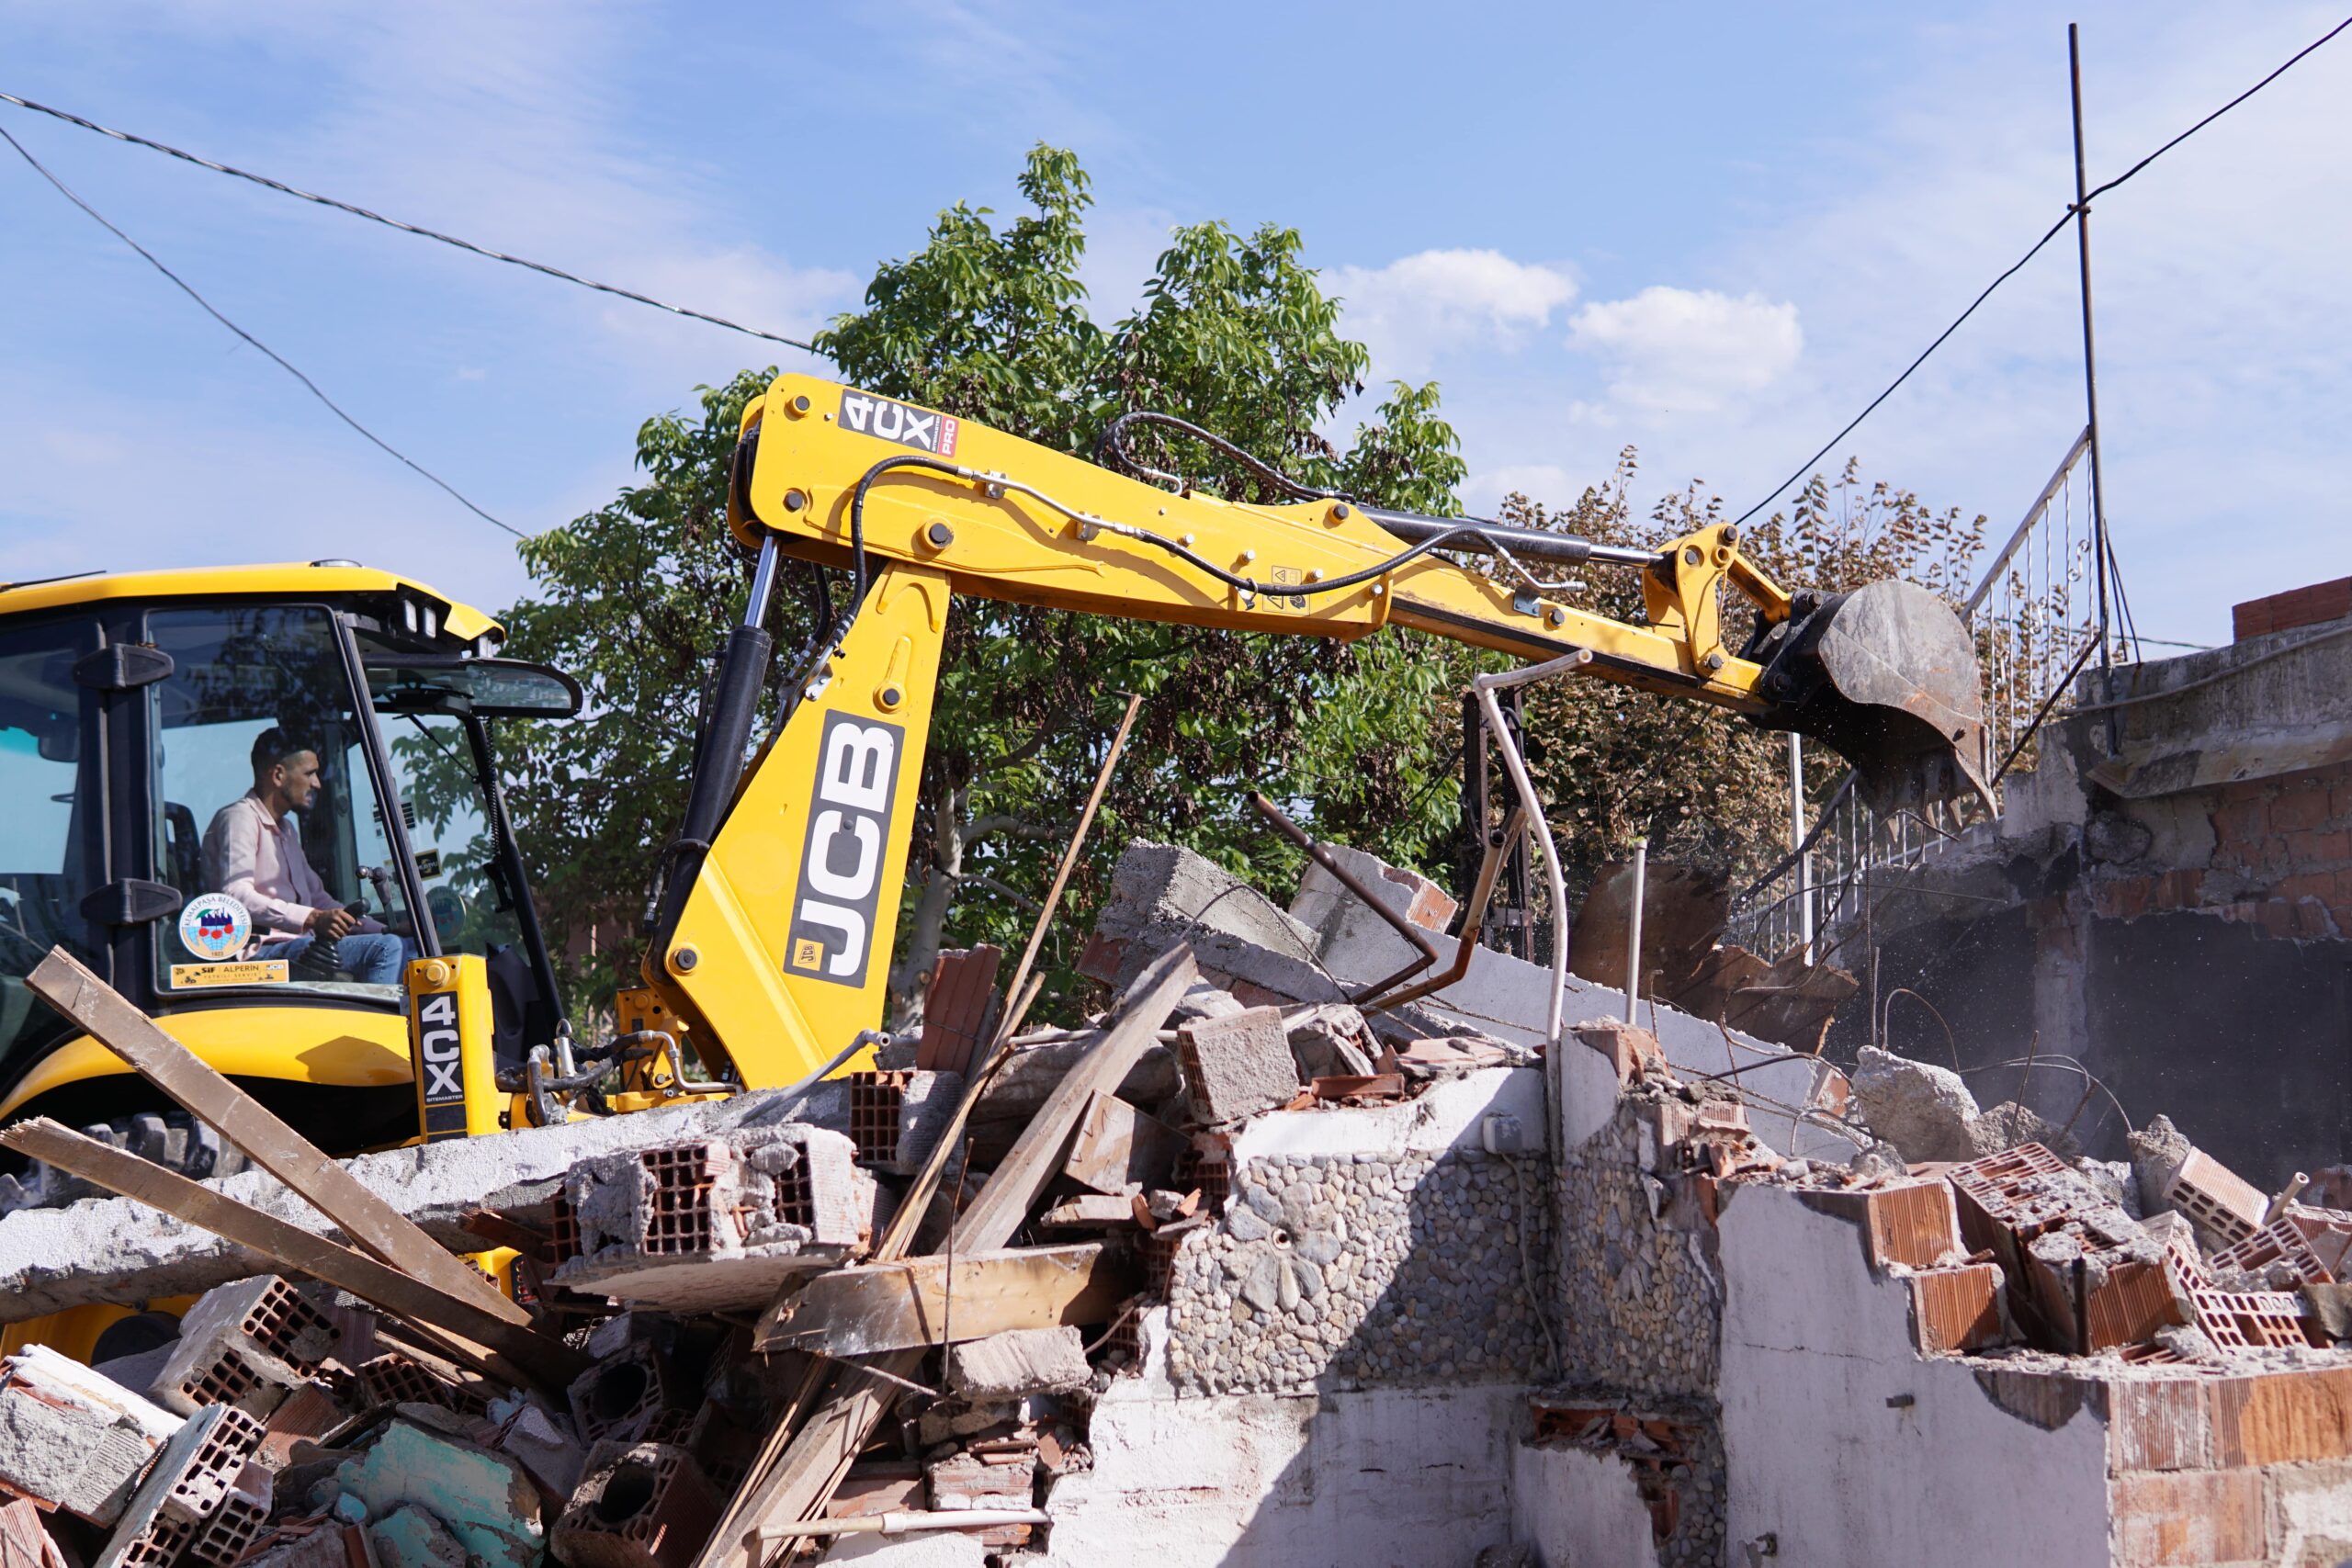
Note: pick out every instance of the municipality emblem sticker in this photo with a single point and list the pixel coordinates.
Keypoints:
(214, 927)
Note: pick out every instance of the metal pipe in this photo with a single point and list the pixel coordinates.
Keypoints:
(1797, 845)
(908, 1522)
(2091, 379)
(1322, 856)
(1486, 686)
(1473, 917)
(1633, 933)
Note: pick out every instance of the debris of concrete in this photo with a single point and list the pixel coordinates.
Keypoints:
(717, 1223)
(1922, 1110)
(1007, 1366)
(1237, 1066)
(249, 1344)
(409, 1537)
(1330, 1041)
(72, 1440)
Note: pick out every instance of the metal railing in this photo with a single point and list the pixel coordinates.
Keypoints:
(2034, 612)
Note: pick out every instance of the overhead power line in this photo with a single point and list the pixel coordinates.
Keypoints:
(2035, 249)
(276, 357)
(284, 189)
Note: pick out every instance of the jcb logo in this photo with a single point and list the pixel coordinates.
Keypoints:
(908, 426)
(834, 908)
(440, 1064)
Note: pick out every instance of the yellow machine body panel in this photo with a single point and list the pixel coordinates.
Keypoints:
(343, 1047)
(781, 953)
(460, 620)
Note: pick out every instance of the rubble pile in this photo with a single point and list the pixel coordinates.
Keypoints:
(950, 1309)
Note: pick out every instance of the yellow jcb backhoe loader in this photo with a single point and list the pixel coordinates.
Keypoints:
(131, 707)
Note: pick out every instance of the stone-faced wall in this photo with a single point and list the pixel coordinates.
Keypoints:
(1359, 1270)
(1640, 1306)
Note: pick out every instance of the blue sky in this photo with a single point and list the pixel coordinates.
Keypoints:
(1712, 231)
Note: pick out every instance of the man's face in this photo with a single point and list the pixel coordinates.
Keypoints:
(297, 779)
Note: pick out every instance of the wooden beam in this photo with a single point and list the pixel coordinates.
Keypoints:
(1092, 1211)
(897, 1306)
(811, 1466)
(502, 1350)
(373, 1226)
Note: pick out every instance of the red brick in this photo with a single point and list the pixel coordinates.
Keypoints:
(2188, 1517)
(2126, 899)
(2160, 1425)
(2331, 846)
(1956, 1309)
(2319, 885)
(2278, 919)
(1915, 1224)
(2283, 1418)
(2241, 821)
(2306, 606)
(2300, 810)
(2339, 802)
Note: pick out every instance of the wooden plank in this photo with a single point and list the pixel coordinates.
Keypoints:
(812, 1464)
(503, 1350)
(1118, 1148)
(374, 1226)
(920, 1301)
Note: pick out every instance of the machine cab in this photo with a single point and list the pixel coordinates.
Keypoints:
(193, 765)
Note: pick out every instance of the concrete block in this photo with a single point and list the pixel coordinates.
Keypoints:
(896, 1118)
(237, 1522)
(619, 1399)
(648, 1506)
(124, 1251)
(716, 1225)
(71, 1440)
(1024, 1361)
(204, 1462)
(1237, 1066)
(486, 1500)
(247, 1343)
(1326, 906)
(1926, 1112)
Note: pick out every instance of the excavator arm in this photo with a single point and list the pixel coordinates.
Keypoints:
(780, 897)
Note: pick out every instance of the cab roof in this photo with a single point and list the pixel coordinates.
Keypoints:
(336, 580)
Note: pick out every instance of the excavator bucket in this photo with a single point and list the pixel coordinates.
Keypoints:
(1888, 676)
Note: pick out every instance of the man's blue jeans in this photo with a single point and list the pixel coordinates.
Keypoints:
(375, 957)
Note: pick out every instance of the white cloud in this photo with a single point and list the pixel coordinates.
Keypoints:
(1689, 351)
(1421, 307)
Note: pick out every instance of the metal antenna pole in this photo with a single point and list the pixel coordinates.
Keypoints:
(2090, 381)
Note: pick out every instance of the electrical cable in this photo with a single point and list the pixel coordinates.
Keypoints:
(2033, 251)
(421, 232)
(276, 357)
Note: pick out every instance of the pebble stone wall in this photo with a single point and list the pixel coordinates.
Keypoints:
(1641, 1308)
(1355, 1270)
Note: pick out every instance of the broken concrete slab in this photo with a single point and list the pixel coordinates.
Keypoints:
(1922, 1110)
(122, 1250)
(1024, 1361)
(1325, 905)
(1237, 1066)
(716, 1225)
(1161, 895)
(72, 1439)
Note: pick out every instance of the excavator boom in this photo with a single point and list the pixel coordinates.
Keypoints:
(774, 925)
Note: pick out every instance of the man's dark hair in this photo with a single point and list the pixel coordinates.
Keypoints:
(273, 746)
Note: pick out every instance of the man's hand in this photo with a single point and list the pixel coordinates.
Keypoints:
(331, 924)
